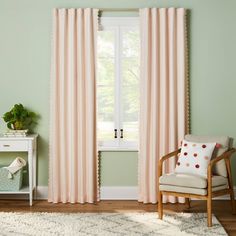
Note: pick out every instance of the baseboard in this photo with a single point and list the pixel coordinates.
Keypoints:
(106, 193)
(119, 193)
(42, 192)
(131, 193)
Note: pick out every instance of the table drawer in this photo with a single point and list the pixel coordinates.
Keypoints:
(8, 146)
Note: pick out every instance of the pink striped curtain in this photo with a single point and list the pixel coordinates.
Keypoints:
(73, 147)
(164, 103)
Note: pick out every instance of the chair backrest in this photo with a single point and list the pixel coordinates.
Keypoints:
(225, 144)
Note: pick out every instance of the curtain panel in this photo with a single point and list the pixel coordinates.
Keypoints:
(164, 100)
(73, 146)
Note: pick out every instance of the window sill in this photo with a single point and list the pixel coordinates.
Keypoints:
(117, 149)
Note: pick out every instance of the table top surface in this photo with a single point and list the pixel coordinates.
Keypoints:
(28, 137)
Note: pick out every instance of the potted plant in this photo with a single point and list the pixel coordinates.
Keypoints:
(19, 118)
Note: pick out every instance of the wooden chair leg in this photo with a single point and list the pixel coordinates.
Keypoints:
(231, 186)
(209, 196)
(160, 205)
(209, 212)
(232, 201)
(188, 202)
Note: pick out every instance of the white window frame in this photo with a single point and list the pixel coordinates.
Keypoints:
(117, 24)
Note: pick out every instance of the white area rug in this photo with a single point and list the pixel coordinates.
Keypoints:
(107, 224)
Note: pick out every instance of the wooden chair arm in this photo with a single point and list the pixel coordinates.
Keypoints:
(164, 158)
(225, 156)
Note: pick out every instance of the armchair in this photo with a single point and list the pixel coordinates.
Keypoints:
(218, 182)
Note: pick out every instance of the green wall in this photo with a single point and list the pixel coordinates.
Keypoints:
(25, 34)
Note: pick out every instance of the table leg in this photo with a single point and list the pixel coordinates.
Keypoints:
(30, 157)
(34, 169)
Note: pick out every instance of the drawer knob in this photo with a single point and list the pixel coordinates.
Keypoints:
(6, 145)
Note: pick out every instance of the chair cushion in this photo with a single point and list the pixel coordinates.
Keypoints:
(225, 143)
(199, 191)
(192, 181)
(194, 158)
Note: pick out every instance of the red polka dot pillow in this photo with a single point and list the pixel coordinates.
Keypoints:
(194, 158)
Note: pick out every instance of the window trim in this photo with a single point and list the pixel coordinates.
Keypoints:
(120, 149)
(114, 23)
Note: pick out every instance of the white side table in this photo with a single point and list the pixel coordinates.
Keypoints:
(23, 144)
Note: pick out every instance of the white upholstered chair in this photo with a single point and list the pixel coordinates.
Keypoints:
(218, 181)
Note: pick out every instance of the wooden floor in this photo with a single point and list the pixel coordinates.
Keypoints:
(221, 209)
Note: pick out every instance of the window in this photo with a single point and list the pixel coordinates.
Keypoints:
(118, 82)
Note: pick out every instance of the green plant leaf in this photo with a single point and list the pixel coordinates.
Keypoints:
(9, 125)
(7, 116)
(20, 117)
